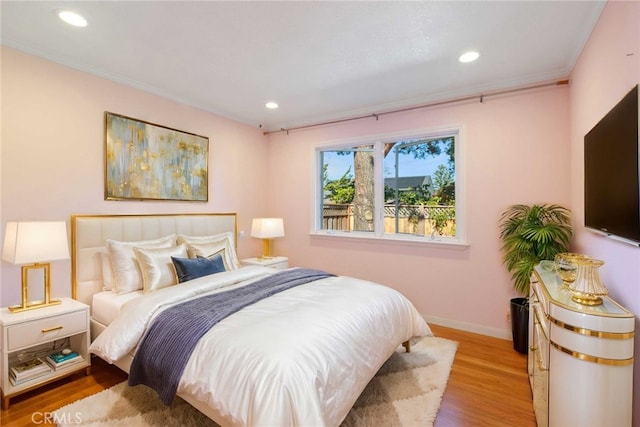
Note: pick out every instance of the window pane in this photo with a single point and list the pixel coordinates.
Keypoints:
(419, 187)
(411, 191)
(348, 191)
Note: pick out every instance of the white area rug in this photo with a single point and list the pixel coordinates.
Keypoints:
(406, 391)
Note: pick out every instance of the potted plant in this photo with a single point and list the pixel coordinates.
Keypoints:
(530, 234)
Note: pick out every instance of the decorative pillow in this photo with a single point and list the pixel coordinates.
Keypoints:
(208, 250)
(156, 266)
(202, 244)
(192, 268)
(125, 268)
(108, 279)
(183, 238)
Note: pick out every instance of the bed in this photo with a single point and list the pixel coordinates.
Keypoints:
(301, 356)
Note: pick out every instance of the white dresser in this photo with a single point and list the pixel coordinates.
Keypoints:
(580, 358)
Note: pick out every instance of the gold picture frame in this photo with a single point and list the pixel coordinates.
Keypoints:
(146, 161)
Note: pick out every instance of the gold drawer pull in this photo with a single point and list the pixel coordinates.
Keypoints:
(55, 328)
(541, 367)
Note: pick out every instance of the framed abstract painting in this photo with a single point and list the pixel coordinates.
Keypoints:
(146, 161)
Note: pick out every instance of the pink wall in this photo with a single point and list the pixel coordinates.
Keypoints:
(607, 69)
(516, 151)
(52, 154)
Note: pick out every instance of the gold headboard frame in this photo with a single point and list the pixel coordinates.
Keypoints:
(90, 232)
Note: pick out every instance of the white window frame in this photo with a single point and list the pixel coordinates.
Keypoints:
(378, 140)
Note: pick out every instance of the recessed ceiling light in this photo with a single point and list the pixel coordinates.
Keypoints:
(72, 18)
(469, 56)
(271, 105)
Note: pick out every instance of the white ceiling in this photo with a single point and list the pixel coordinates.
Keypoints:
(318, 60)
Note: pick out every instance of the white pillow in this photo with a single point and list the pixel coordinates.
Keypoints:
(156, 266)
(183, 238)
(108, 279)
(125, 267)
(209, 245)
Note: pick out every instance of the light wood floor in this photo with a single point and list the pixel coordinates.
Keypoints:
(488, 387)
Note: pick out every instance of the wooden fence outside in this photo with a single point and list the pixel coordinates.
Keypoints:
(411, 219)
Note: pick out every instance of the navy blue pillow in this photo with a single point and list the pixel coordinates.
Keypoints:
(192, 268)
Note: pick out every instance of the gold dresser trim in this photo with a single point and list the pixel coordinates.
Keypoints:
(591, 332)
(594, 359)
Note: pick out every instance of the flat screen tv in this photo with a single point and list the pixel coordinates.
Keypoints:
(611, 179)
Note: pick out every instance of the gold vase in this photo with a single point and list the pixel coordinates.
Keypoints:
(587, 288)
(566, 268)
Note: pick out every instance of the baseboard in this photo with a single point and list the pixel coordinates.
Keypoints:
(469, 327)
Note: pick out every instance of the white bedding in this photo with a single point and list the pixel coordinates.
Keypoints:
(106, 305)
(300, 357)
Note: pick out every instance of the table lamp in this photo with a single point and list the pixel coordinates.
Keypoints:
(267, 229)
(34, 244)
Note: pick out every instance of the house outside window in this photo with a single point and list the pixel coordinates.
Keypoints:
(394, 187)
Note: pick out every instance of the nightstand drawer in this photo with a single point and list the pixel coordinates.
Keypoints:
(280, 265)
(45, 330)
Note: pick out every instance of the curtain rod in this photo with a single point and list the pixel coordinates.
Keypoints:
(416, 107)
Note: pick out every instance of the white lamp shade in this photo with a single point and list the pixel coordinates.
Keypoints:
(32, 242)
(267, 228)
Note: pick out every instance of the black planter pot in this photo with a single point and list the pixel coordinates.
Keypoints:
(520, 324)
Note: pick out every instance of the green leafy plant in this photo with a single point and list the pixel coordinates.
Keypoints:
(530, 234)
(440, 220)
(341, 190)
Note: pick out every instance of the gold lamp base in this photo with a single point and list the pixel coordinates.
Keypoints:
(266, 249)
(33, 305)
(26, 305)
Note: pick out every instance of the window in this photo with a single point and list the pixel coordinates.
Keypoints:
(405, 187)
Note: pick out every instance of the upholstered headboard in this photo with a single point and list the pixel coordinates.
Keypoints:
(90, 232)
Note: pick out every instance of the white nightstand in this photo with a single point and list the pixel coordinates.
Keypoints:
(277, 262)
(37, 333)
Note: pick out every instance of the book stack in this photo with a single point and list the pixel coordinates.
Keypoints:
(26, 371)
(62, 360)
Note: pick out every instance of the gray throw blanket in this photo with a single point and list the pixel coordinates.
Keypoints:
(167, 346)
